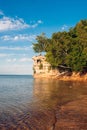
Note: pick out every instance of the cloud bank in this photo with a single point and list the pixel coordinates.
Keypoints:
(7, 23)
(19, 37)
(18, 48)
(24, 59)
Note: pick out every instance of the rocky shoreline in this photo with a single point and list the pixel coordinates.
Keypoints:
(63, 76)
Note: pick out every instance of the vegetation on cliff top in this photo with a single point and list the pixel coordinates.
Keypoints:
(68, 49)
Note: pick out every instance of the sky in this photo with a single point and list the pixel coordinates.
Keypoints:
(22, 20)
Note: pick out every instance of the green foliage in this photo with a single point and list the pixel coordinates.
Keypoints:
(34, 70)
(49, 68)
(41, 66)
(41, 45)
(66, 48)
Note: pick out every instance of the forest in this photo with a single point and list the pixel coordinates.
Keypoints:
(65, 48)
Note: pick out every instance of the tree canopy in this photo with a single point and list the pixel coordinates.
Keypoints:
(65, 48)
(41, 44)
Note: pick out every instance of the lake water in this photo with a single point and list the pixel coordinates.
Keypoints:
(27, 103)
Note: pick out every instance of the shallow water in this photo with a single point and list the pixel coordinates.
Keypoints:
(28, 104)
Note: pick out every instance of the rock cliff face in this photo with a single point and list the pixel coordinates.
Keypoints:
(42, 68)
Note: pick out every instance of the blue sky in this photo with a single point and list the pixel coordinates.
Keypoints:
(22, 20)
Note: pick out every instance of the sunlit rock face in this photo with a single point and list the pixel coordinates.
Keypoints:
(40, 64)
(42, 67)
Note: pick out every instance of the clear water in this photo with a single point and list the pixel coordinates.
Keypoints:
(23, 99)
(15, 91)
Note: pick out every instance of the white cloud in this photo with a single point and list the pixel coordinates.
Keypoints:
(1, 12)
(11, 60)
(7, 23)
(4, 55)
(31, 46)
(40, 21)
(20, 37)
(25, 59)
(36, 24)
(25, 48)
(64, 27)
(16, 69)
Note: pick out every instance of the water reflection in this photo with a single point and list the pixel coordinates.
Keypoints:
(52, 92)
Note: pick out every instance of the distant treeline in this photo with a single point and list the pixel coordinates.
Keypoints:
(67, 48)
